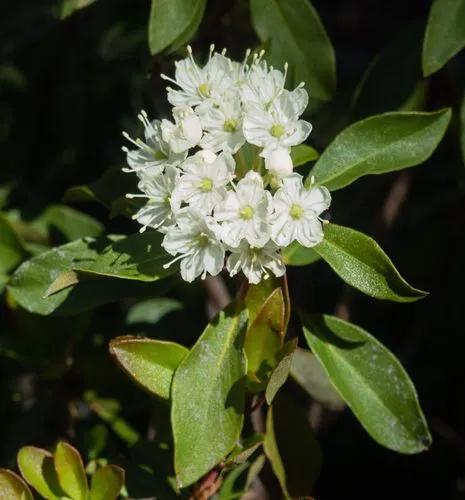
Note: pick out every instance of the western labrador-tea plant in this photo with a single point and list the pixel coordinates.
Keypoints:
(225, 192)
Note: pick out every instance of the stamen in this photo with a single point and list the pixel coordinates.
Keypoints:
(286, 67)
(169, 79)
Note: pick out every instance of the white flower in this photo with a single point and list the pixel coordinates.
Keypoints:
(153, 154)
(196, 84)
(185, 133)
(222, 122)
(279, 163)
(244, 213)
(278, 126)
(255, 262)
(160, 208)
(203, 184)
(296, 213)
(262, 85)
(194, 240)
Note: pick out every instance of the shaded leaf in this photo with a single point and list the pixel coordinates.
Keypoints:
(361, 263)
(245, 450)
(297, 255)
(462, 127)
(151, 363)
(281, 372)
(152, 310)
(69, 7)
(70, 471)
(13, 487)
(380, 144)
(303, 154)
(445, 34)
(173, 21)
(36, 466)
(294, 33)
(208, 397)
(307, 371)
(12, 250)
(371, 381)
(290, 446)
(106, 483)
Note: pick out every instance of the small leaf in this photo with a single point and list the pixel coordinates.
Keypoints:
(106, 483)
(208, 397)
(36, 466)
(294, 33)
(12, 250)
(13, 487)
(371, 381)
(152, 310)
(63, 281)
(69, 7)
(151, 363)
(445, 34)
(361, 263)
(380, 144)
(303, 154)
(307, 371)
(170, 20)
(70, 471)
(281, 372)
(245, 450)
(264, 338)
(297, 255)
(290, 446)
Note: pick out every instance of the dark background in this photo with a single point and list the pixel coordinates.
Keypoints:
(68, 89)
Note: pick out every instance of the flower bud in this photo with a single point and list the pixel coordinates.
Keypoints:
(279, 163)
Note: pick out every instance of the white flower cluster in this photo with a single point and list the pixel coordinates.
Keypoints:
(205, 209)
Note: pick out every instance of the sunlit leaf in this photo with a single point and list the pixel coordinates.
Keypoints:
(106, 483)
(371, 381)
(70, 471)
(13, 487)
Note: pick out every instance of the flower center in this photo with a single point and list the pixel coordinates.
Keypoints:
(203, 239)
(230, 125)
(246, 212)
(167, 201)
(206, 184)
(159, 155)
(296, 211)
(204, 90)
(277, 130)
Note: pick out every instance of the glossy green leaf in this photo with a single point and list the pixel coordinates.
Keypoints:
(281, 372)
(70, 471)
(45, 283)
(362, 263)
(371, 381)
(208, 395)
(152, 310)
(170, 20)
(307, 371)
(297, 255)
(264, 338)
(13, 487)
(393, 77)
(12, 250)
(303, 154)
(445, 34)
(291, 448)
(151, 363)
(293, 32)
(106, 483)
(380, 144)
(36, 466)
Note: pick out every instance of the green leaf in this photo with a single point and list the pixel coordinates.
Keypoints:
(281, 372)
(70, 471)
(371, 381)
(293, 32)
(13, 487)
(152, 310)
(208, 395)
(69, 7)
(380, 144)
(307, 371)
(264, 339)
(46, 284)
(445, 34)
(36, 466)
(245, 450)
(106, 483)
(12, 250)
(362, 263)
(297, 255)
(170, 20)
(303, 154)
(291, 448)
(393, 77)
(151, 363)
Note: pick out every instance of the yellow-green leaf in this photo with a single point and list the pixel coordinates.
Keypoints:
(70, 471)
(106, 483)
(12, 487)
